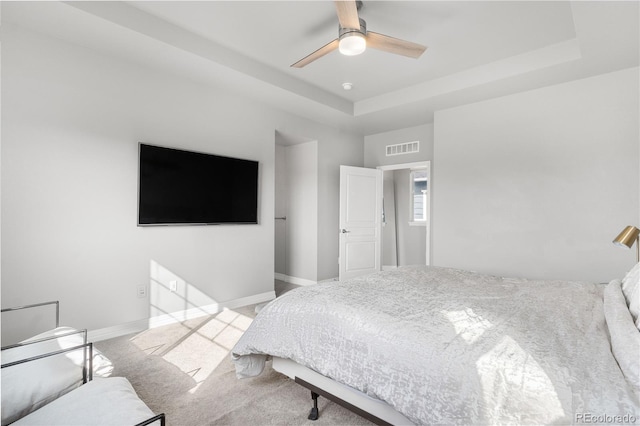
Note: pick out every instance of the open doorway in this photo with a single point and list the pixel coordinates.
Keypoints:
(406, 214)
(296, 209)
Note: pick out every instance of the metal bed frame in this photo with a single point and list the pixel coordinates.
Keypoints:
(87, 347)
(374, 410)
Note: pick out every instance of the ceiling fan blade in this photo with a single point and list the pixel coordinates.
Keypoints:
(327, 48)
(394, 45)
(347, 14)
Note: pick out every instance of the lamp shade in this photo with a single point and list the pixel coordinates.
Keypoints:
(627, 237)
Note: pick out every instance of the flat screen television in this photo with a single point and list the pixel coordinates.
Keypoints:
(177, 187)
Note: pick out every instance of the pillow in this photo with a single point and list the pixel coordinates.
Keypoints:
(29, 386)
(631, 290)
(111, 401)
(634, 307)
(630, 281)
(102, 366)
(625, 337)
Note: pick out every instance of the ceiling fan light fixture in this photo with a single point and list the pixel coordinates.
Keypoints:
(353, 37)
(352, 43)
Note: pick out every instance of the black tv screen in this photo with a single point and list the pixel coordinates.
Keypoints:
(177, 187)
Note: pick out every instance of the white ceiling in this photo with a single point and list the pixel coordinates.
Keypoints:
(476, 49)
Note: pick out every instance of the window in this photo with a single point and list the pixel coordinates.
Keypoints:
(419, 180)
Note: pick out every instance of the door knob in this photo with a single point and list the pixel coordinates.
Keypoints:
(344, 231)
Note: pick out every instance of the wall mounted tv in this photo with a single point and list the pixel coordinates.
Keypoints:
(177, 187)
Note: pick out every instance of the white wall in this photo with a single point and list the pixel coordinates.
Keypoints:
(375, 146)
(280, 208)
(333, 151)
(389, 235)
(537, 184)
(71, 122)
(302, 211)
(402, 244)
(334, 148)
(412, 240)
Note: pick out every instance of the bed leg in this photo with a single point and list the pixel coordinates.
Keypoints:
(313, 415)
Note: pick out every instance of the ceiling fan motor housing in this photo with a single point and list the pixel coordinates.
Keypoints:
(362, 30)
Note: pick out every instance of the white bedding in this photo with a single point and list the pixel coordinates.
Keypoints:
(445, 346)
(29, 386)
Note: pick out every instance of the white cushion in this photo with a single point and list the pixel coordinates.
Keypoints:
(631, 290)
(29, 386)
(102, 401)
(625, 337)
(630, 280)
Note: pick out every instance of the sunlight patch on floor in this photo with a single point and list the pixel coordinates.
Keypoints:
(197, 346)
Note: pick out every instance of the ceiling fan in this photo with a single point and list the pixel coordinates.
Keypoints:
(353, 37)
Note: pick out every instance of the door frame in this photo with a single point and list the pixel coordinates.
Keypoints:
(417, 165)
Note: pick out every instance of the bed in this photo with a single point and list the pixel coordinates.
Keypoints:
(431, 345)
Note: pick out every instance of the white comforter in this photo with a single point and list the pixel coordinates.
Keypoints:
(445, 346)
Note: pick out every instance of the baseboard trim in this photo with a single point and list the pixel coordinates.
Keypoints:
(389, 267)
(294, 280)
(175, 317)
(118, 330)
(300, 281)
(281, 277)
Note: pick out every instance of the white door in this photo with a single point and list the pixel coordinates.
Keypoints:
(360, 221)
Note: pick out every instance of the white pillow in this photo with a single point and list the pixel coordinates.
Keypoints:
(630, 280)
(634, 306)
(102, 366)
(625, 338)
(29, 386)
(111, 401)
(631, 291)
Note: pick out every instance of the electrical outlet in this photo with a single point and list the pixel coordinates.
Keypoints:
(173, 285)
(142, 291)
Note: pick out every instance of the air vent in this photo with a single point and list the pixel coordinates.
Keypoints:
(403, 148)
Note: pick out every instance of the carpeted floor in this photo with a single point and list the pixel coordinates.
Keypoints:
(185, 371)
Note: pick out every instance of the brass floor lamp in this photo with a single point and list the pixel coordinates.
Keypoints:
(627, 237)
